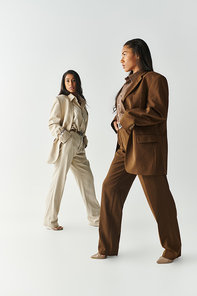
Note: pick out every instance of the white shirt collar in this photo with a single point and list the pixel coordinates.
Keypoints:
(71, 97)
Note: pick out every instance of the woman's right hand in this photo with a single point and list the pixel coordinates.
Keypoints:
(115, 123)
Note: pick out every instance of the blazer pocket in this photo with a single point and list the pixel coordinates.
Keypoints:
(64, 137)
(147, 139)
(54, 152)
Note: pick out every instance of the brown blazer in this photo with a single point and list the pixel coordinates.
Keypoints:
(146, 105)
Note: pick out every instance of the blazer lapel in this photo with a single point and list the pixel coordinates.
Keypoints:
(134, 84)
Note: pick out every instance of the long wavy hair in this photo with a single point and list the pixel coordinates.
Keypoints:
(64, 91)
(141, 49)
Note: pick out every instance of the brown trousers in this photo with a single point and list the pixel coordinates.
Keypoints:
(114, 192)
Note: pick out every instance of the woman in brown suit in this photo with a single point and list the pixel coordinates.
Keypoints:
(140, 123)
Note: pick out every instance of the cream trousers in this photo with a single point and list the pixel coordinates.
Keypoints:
(72, 155)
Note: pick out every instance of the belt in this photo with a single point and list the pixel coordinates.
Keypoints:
(76, 131)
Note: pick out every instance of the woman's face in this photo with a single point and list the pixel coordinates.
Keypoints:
(70, 84)
(129, 60)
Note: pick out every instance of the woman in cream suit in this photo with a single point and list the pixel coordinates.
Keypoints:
(67, 124)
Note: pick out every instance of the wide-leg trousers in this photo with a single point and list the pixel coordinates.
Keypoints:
(72, 155)
(114, 193)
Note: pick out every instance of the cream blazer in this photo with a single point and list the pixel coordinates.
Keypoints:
(60, 122)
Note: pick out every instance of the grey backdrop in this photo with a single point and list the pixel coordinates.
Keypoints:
(40, 40)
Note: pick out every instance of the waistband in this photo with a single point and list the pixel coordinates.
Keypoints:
(76, 131)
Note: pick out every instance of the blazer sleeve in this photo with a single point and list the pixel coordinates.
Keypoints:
(55, 121)
(156, 108)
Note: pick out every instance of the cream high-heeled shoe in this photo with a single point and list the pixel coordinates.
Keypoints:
(98, 256)
(163, 260)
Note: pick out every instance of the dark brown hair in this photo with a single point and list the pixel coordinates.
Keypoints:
(64, 91)
(141, 49)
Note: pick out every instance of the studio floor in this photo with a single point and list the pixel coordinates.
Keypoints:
(39, 262)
